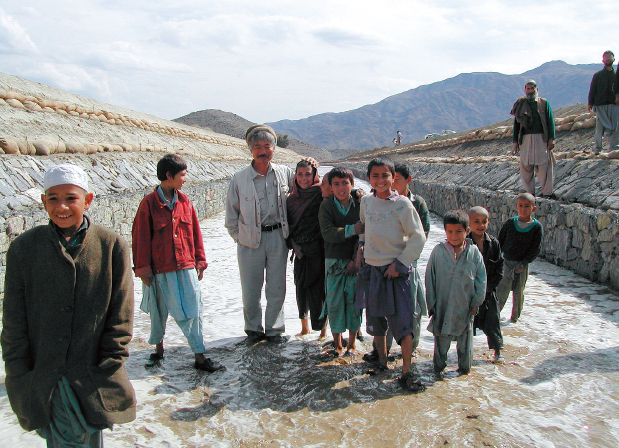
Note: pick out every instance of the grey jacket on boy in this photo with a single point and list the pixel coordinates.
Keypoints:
(68, 314)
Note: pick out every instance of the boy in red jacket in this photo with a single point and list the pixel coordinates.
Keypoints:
(168, 255)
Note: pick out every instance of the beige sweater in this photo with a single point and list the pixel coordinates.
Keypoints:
(393, 231)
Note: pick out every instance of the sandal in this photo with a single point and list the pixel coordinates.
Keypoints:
(333, 353)
(378, 368)
(154, 361)
(410, 382)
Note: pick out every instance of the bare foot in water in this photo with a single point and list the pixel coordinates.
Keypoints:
(305, 329)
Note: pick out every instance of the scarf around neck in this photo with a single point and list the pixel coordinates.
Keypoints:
(300, 199)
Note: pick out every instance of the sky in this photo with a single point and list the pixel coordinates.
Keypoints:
(275, 60)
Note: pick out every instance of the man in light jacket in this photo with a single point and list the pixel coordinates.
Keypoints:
(256, 220)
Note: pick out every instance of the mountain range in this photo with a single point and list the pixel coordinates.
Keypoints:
(466, 101)
(235, 126)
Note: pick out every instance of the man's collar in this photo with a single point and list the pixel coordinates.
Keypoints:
(256, 173)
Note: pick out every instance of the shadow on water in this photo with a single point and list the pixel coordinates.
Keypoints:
(599, 361)
(284, 378)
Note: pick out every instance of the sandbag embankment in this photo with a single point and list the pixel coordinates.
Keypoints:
(40, 120)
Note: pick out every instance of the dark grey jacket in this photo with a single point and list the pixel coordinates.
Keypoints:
(68, 316)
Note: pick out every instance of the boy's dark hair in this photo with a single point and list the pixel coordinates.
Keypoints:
(456, 217)
(381, 161)
(304, 164)
(342, 173)
(170, 163)
(526, 197)
(403, 169)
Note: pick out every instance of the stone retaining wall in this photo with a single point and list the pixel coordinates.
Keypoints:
(581, 238)
(118, 181)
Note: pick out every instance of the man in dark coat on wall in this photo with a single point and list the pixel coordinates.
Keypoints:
(602, 99)
(534, 139)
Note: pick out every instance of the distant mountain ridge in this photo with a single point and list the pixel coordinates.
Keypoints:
(235, 126)
(466, 101)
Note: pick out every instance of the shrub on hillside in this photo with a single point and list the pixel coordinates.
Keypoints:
(282, 140)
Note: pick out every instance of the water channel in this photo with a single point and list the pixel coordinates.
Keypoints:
(558, 387)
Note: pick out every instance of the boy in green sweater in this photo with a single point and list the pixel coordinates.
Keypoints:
(520, 239)
(340, 228)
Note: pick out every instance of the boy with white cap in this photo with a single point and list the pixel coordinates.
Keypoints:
(68, 319)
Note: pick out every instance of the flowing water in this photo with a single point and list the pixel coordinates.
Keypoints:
(557, 388)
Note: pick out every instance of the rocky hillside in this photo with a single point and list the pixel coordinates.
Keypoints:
(231, 124)
(467, 101)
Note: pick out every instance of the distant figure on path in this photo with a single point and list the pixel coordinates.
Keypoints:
(256, 219)
(602, 100)
(398, 139)
(534, 139)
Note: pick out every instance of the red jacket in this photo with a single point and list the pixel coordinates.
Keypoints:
(166, 241)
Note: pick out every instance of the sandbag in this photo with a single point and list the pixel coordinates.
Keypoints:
(589, 123)
(11, 95)
(126, 147)
(566, 126)
(61, 148)
(91, 148)
(32, 106)
(582, 117)
(9, 146)
(75, 148)
(59, 105)
(43, 147)
(26, 148)
(14, 103)
(577, 125)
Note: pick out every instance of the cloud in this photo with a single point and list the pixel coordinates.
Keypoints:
(121, 56)
(344, 38)
(13, 37)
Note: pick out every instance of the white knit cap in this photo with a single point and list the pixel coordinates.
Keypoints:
(65, 174)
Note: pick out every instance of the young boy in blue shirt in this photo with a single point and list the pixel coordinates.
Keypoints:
(455, 288)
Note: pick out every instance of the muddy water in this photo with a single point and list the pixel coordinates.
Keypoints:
(556, 389)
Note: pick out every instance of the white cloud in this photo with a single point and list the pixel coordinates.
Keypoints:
(13, 37)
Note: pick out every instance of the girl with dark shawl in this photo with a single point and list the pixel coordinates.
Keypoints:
(307, 245)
